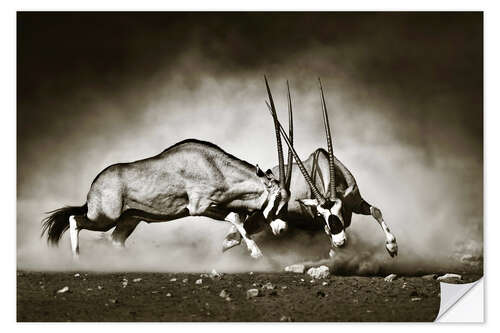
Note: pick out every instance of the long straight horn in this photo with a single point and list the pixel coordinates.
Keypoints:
(331, 162)
(278, 138)
(290, 133)
(321, 199)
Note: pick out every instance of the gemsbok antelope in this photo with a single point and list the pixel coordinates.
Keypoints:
(191, 178)
(323, 192)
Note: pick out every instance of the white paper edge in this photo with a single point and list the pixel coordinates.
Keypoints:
(461, 303)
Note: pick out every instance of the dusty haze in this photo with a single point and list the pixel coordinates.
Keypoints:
(405, 96)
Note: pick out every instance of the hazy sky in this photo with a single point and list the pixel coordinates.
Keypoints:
(404, 90)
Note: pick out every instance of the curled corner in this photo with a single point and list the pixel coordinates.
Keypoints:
(451, 294)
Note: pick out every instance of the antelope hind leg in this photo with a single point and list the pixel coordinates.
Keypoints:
(73, 234)
(390, 241)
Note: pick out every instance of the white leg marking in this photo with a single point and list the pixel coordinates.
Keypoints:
(73, 234)
(232, 239)
(251, 245)
(278, 226)
(390, 240)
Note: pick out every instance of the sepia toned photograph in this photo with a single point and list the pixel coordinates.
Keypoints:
(247, 166)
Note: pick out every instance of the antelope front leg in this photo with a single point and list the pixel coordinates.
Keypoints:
(238, 220)
(390, 240)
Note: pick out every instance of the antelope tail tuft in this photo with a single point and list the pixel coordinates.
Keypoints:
(57, 222)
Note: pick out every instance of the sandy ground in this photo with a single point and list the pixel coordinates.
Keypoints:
(103, 297)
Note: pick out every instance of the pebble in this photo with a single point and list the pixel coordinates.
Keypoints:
(224, 293)
(297, 268)
(449, 276)
(390, 277)
(321, 272)
(173, 279)
(252, 293)
(199, 281)
(137, 280)
(268, 286)
(63, 290)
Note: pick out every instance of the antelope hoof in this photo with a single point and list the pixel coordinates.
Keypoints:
(256, 253)
(392, 248)
(278, 226)
(229, 244)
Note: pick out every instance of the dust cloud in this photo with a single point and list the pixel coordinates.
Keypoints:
(412, 138)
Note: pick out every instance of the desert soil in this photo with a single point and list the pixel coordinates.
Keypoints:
(105, 297)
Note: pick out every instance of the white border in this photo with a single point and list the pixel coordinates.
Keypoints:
(8, 134)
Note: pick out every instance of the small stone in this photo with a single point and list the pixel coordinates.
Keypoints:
(251, 273)
(168, 295)
(252, 293)
(224, 293)
(155, 292)
(77, 275)
(113, 301)
(430, 277)
(239, 286)
(215, 275)
(321, 272)
(199, 281)
(285, 319)
(185, 281)
(63, 290)
(449, 276)
(89, 289)
(228, 299)
(99, 287)
(284, 287)
(137, 280)
(297, 268)
(173, 279)
(416, 299)
(325, 283)
(390, 277)
(268, 286)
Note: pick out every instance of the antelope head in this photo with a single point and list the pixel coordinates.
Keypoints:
(279, 191)
(329, 206)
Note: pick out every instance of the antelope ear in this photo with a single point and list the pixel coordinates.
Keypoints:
(259, 171)
(309, 202)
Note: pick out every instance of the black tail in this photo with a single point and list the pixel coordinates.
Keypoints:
(58, 222)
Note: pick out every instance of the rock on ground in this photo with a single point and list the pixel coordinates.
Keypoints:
(321, 272)
(449, 276)
(298, 268)
(390, 278)
(252, 293)
(63, 290)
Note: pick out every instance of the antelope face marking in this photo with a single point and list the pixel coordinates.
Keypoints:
(331, 211)
(277, 200)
